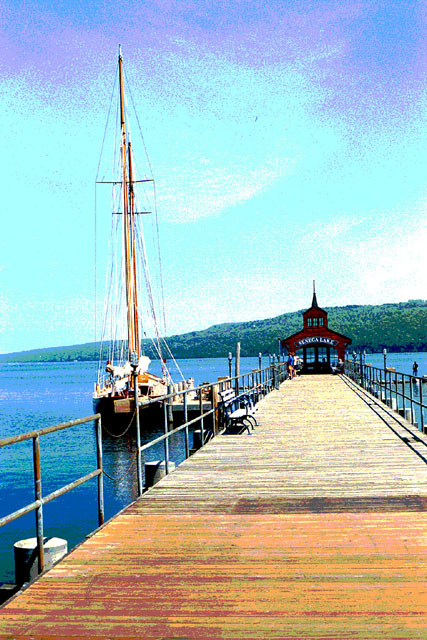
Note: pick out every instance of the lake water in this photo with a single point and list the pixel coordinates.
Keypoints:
(33, 396)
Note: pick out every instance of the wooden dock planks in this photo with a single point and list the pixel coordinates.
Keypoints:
(314, 526)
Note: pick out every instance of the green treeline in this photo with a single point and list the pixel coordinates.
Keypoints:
(398, 327)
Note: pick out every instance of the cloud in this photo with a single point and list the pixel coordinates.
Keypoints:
(213, 189)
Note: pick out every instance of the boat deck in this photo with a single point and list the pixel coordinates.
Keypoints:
(313, 526)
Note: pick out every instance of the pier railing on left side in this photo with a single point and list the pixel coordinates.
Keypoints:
(256, 384)
(39, 499)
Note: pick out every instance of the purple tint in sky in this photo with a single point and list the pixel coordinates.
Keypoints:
(287, 139)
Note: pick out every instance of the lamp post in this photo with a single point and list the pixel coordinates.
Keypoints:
(259, 360)
(230, 358)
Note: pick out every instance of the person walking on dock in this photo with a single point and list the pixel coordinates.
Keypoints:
(290, 366)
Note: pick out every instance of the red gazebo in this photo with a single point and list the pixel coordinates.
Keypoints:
(318, 346)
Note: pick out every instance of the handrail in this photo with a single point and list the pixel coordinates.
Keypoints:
(394, 388)
(258, 382)
(41, 500)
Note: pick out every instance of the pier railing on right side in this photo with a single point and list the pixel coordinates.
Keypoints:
(402, 392)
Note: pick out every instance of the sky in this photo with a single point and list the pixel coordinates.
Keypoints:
(287, 139)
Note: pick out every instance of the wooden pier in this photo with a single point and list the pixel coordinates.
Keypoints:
(313, 526)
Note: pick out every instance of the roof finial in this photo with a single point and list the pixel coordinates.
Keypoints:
(314, 303)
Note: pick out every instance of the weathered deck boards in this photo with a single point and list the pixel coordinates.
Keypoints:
(314, 526)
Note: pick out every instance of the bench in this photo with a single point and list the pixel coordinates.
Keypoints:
(238, 411)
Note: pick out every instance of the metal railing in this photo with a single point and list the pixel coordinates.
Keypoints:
(257, 384)
(400, 391)
(39, 499)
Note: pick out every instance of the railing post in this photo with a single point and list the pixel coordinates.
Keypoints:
(202, 429)
(187, 447)
(214, 400)
(166, 440)
(396, 391)
(101, 475)
(385, 375)
(421, 407)
(403, 394)
(138, 433)
(38, 496)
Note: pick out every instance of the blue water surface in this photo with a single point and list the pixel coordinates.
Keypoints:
(33, 396)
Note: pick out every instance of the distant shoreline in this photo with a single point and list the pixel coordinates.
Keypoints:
(398, 327)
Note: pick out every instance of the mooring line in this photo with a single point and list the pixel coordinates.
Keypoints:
(120, 435)
(132, 464)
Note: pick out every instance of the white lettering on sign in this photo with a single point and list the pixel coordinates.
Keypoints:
(316, 340)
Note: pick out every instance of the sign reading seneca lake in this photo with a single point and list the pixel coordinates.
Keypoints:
(316, 340)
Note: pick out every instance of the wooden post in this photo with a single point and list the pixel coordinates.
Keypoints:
(214, 397)
(222, 385)
(237, 368)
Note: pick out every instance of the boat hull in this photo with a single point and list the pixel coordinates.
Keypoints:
(118, 414)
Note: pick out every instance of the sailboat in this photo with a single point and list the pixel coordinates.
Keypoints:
(123, 364)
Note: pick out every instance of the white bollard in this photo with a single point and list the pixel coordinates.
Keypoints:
(26, 557)
(155, 471)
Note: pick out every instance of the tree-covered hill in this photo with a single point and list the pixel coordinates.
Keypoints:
(398, 327)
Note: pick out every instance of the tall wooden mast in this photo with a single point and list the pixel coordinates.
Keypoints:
(128, 226)
(133, 251)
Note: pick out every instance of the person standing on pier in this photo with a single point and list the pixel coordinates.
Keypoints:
(415, 369)
(290, 366)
